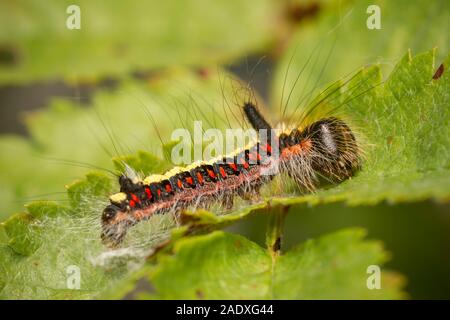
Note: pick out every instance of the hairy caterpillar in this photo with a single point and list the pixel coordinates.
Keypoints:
(326, 149)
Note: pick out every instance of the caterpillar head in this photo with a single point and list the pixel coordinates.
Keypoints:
(115, 224)
(116, 218)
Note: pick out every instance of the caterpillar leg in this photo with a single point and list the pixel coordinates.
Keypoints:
(252, 194)
(227, 201)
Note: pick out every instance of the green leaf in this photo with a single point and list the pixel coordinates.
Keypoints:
(144, 162)
(39, 247)
(21, 239)
(119, 37)
(226, 266)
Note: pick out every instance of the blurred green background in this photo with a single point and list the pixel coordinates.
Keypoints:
(51, 78)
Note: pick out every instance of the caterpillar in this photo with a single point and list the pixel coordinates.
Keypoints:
(325, 150)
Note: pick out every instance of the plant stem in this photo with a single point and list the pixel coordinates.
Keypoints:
(275, 226)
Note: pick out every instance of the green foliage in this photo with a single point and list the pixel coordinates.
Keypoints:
(226, 266)
(118, 37)
(144, 162)
(41, 244)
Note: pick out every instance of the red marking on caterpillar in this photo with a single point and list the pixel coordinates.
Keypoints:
(148, 193)
(222, 172)
(135, 198)
(326, 149)
(211, 174)
(199, 178)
